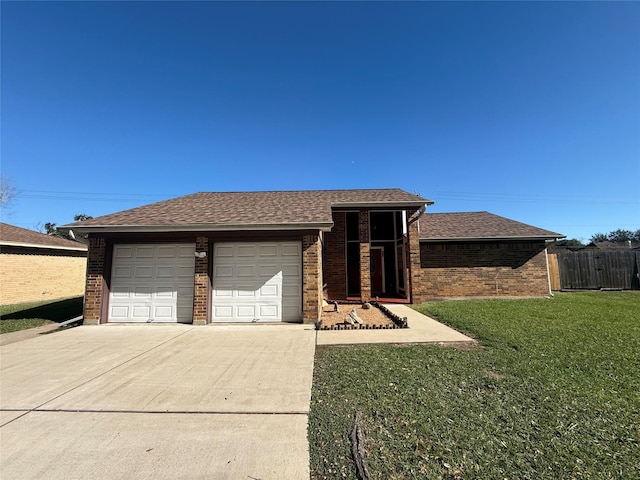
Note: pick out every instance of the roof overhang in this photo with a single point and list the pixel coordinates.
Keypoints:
(218, 227)
(384, 204)
(37, 245)
(489, 239)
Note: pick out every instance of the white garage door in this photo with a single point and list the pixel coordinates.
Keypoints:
(257, 282)
(152, 283)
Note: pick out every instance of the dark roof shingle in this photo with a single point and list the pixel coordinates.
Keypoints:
(251, 208)
(12, 235)
(477, 225)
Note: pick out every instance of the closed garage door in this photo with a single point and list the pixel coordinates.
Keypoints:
(257, 282)
(152, 283)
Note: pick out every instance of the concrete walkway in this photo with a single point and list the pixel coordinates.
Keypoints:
(422, 329)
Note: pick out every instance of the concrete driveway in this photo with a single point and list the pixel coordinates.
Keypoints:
(157, 401)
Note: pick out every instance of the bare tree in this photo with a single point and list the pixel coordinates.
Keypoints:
(7, 191)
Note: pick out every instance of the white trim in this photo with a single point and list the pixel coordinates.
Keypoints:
(385, 204)
(485, 239)
(36, 245)
(230, 227)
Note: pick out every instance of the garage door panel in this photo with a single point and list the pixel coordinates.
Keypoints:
(246, 312)
(269, 291)
(144, 252)
(290, 312)
(268, 250)
(269, 271)
(165, 272)
(152, 282)
(291, 250)
(222, 271)
(223, 251)
(121, 251)
(291, 270)
(245, 291)
(122, 272)
(235, 300)
(142, 312)
(142, 292)
(143, 271)
(246, 251)
(245, 271)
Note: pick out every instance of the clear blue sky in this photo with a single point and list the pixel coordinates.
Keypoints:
(527, 110)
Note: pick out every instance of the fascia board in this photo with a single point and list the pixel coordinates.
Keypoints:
(37, 245)
(386, 204)
(489, 239)
(325, 227)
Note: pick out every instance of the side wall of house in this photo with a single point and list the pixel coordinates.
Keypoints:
(33, 276)
(481, 269)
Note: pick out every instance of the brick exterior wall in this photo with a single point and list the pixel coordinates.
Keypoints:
(311, 278)
(95, 281)
(201, 283)
(481, 269)
(365, 256)
(334, 259)
(414, 273)
(32, 276)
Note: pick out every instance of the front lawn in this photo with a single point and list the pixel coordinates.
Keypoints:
(553, 392)
(21, 316)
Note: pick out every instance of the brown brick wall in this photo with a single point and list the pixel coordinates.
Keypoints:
(481, 269)
(311, 278)
(201, 283)
(32, 277)
(95, 281)
(413, 259)
(334, 266)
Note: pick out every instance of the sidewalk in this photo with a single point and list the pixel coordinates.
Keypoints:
(422, 329)
(13, 337)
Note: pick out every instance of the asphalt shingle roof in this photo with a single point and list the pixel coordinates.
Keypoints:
(251, 208)
(477, 225)
(12, 235)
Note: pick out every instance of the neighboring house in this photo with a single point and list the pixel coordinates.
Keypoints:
(274, 256)
(35, 267)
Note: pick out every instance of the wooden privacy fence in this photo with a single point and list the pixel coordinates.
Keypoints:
(595, 270)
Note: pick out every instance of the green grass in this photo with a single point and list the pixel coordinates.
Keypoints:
(21, 316)
(553, 393)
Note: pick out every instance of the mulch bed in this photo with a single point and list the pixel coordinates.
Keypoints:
(373, 318)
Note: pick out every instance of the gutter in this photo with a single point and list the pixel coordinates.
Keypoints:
(230, 227)
(385, 204)
(487, 239)
(38, 245)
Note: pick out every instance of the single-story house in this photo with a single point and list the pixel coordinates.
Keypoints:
(274, 256)
(35, 267)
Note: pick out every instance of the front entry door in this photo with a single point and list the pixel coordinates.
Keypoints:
(377, 270)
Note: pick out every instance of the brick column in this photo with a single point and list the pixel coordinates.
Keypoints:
(365, 256)
(311, 278)
(201, 283)
(94, 288)
(414, 290)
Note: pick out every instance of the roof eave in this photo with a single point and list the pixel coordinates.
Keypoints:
(204, 227)
(37, 245)
(412, 204)
(488, 239)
